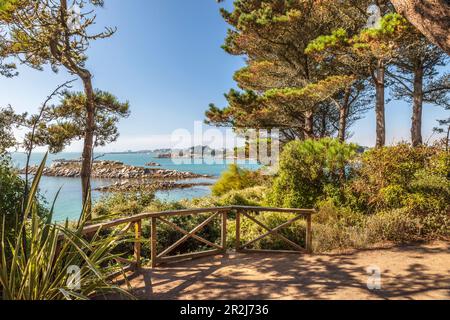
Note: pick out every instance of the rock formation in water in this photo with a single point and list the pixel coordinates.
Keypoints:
(112, 170)
(137, 185)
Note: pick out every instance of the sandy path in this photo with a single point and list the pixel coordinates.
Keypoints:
(419, 272)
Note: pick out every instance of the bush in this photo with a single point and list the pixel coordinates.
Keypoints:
(168, 235)
(341, 227)
(253, 197)
(122, 204)
(11, 192)
(394, 194)
(329, 213)
(402, 176)
(236, 179)
(12, 189)
(38, 267)
(308, 169)
(397, 226)
(296, 232)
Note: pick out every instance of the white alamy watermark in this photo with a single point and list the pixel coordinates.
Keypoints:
(374, 279)
(74, 278)
(214, 146)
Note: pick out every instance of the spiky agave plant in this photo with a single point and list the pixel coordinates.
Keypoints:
(56, 262)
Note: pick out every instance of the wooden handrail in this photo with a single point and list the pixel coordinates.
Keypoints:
(241, 211)
(187, 212)
(269, 209)
(144, 216)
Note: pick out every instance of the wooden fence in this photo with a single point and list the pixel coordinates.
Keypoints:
(240, 212)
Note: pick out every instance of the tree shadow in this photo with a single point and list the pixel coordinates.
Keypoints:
(411, 275)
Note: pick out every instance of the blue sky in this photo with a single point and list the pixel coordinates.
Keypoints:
(167, 61)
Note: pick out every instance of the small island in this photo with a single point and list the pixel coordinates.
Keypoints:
(130, 178)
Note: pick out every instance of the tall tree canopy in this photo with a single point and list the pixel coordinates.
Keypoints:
(8, 121)
(417, 78)
(66, 121)
(344, 52)
(7, 69)
(366, 52)
(48, 31)
(283, 87)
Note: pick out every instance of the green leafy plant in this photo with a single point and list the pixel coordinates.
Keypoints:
(236, 178)
(400, 176)
(307, 168)
(123, 204)
(40, 268)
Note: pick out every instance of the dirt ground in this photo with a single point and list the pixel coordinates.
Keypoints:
(407, 272)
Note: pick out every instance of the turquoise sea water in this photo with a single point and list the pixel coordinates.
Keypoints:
(68, 204)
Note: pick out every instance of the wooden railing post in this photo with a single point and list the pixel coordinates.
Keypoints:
(154, 243)
(224, 231)
(137, 243)
(309, 233)
(238, 231)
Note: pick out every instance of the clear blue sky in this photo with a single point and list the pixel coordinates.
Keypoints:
(167, 61)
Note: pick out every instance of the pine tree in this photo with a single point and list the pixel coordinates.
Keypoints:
(49, 31)
(366, 53)
(273, 35)
(66, 121)
(417, 79)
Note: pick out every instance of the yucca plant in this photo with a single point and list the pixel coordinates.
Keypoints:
(55, 262)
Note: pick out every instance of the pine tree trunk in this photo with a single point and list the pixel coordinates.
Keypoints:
(380, 104)
(342, 124)
(448, 140)
(416, 129)
(343, 115)
(309, 125)
(88, 147)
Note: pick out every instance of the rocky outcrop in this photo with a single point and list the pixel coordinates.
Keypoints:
(152, 164)
(133, 186)
(113, 170)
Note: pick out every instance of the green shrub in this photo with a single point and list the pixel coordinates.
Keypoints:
(168, 235)
(38, 267)
(394, 194)
(308, 169)
(12, 189)
(296, 232)
(122, 204)
(236, 178)
(11, 192)
(253, 197)
(403, 176)
(341, 227)
(329, 213)
(397, 226)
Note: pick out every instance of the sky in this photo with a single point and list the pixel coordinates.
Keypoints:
(166, 60)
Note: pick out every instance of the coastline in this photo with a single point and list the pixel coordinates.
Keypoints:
(68, 204)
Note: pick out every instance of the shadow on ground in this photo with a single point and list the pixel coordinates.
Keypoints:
(419, 272)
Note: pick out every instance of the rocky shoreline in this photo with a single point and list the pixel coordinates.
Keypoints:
(134, 186)
(112, 170)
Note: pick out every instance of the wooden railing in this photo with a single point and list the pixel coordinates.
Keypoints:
(223, 213)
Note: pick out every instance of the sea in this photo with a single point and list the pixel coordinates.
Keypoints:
(68, 204)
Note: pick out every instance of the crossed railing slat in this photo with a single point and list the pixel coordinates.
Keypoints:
(275, 232)
(240, 211)
(189, 235)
